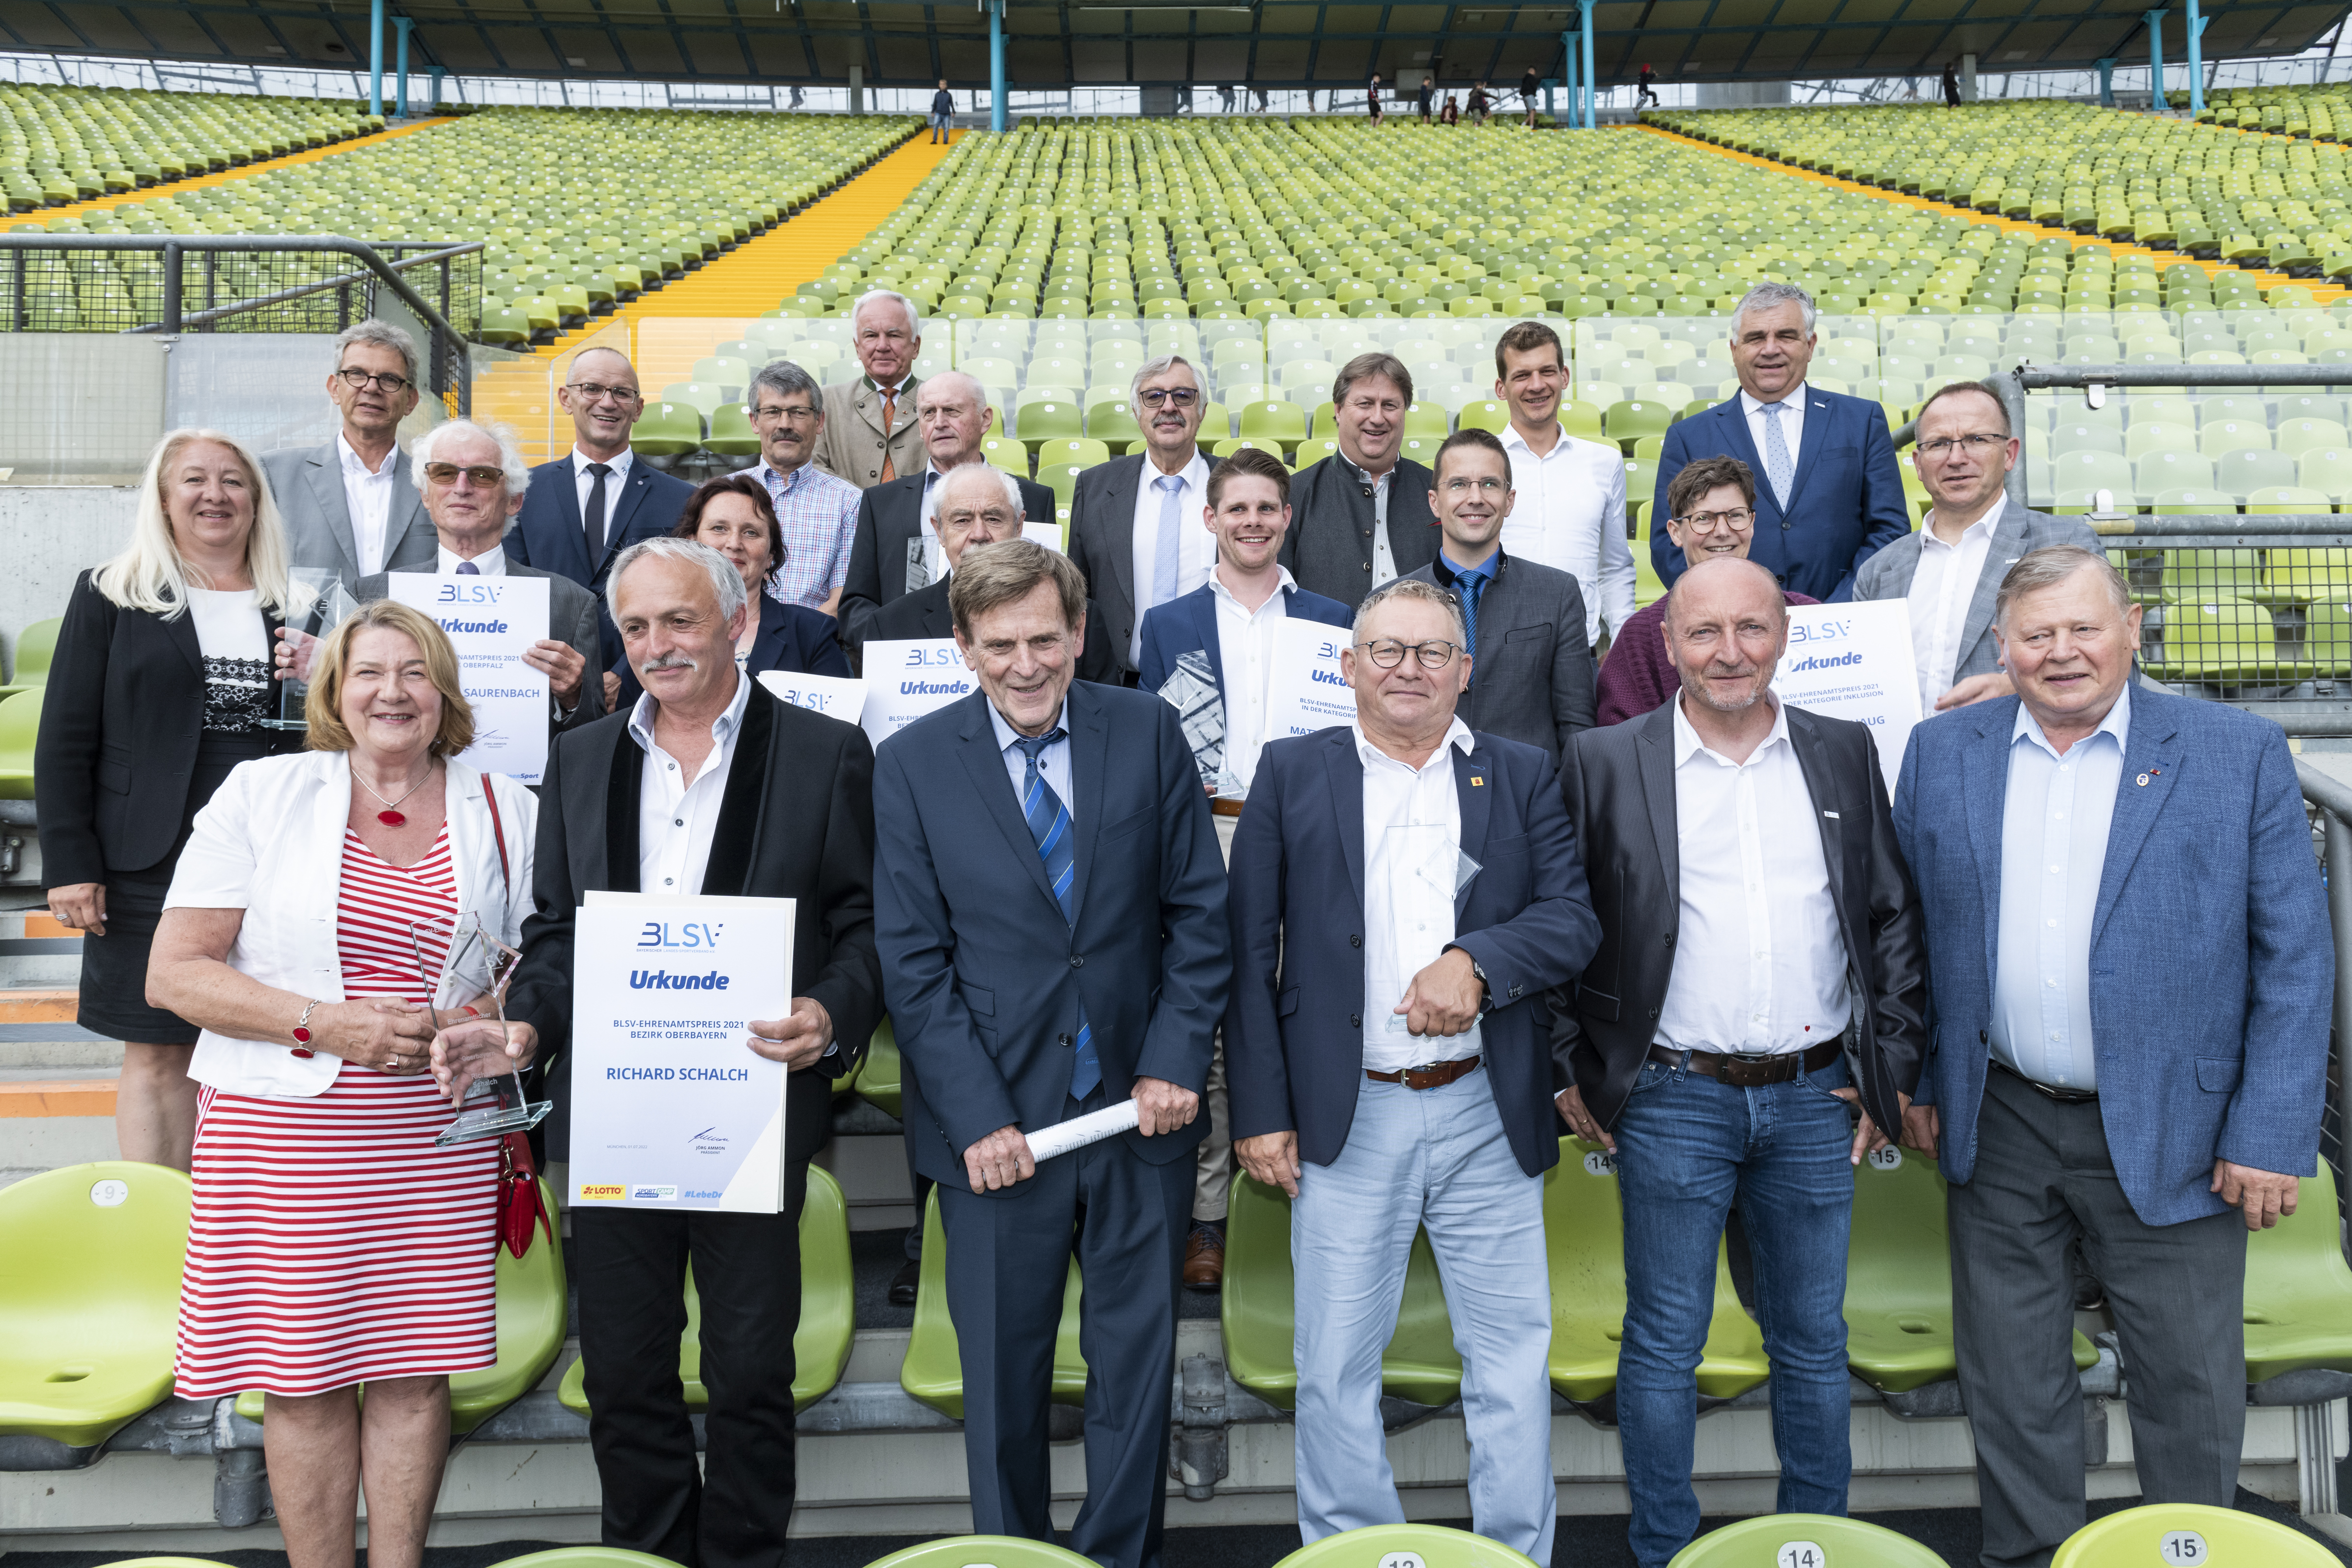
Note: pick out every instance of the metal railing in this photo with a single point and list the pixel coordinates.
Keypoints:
(2331, 798)
(173, 284)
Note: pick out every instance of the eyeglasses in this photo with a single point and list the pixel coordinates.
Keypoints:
(789, 415)
(358, 380)
(594, 393)
(1737, 518)
(482, 474)
(1975, 446)
(1490, 487)
(1180, 396)
(1388, 653)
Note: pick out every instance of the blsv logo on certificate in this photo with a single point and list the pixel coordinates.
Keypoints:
(670, 1108)
(834, 696)
(906, 679)
(1304, 691)
(491, 623)
(1854, 661)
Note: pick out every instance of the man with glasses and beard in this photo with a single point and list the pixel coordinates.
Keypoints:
(1135, 521)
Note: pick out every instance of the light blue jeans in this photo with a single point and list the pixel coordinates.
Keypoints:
(1435, 1158)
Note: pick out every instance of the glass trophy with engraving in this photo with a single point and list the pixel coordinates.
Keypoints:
(469, 969)
(1191, 689)
(316, 604)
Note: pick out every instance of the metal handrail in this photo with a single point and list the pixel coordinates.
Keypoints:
(2333, 798)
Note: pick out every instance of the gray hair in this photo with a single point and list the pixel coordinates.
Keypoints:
(1413, 588)
(1160, 366)
(1765, 295)
(510, 456)
(2053, 564)
(725, 581)
(784, 378)
(947, 381)
(886, 296)
(383, 335)
(962, 475)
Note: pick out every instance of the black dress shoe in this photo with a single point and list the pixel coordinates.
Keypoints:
(903, 1283)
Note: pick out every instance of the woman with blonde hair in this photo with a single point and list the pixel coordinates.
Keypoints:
(333, 1244)
(159, 686)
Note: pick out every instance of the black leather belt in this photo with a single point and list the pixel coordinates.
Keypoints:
(2063, 1096)
(1752, 1072)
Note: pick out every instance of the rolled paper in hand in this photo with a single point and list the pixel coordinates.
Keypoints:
(1080, 1130)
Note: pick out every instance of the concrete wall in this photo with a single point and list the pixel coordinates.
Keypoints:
(51, 534)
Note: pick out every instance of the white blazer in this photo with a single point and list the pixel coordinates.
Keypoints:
(271, 842)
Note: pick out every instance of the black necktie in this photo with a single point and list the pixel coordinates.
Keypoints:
(597, 472)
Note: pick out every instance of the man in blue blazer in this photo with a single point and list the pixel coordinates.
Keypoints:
(2126, 944)
(1404, 892)
(1827, 493)
(1051, 915)
(627, 501)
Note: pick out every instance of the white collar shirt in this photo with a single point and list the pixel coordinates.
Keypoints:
(1792, 427)
(1053, 764)
(677, 815)
(1943, 586)
(1196, 547)
(1383, 554)
(1412, 846)
(490, 563)
(368, 497)
(582, 481)
(1759, 966)
(1244, 656)
(2053, 849)
(1570, 514)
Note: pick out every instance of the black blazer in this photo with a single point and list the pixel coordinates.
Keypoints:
(121, 723)
(549, 533)
(1532, 680)
(889, 517)
(796, 822)
(924, 613)
(1329, 546)
(1620, 787)
(792, 638)
(1102, 546)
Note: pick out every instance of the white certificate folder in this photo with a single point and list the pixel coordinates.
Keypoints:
(670, 1108)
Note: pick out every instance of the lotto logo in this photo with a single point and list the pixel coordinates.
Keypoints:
(591, 1191)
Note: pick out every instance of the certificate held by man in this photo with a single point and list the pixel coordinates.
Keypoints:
(492, 621)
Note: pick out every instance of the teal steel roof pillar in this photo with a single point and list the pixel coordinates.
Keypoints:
(2196, 26)
(1591, 99)
(2107, 82)
(400, 66)
(996, 66)
(375, 56)
(2155, 20)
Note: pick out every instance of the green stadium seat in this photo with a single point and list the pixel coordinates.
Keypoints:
(878, 1075)
(1581, 419)
(2153, 1534)
(821, 1343)
(585, 1557)
(1044, 422)
(1424, 418)
(1488, 415)
(2229, 641)
(731, 434)
(2246, 469)
(932, 1370)
(1080, 452)
(1805, 1541)
(666, 430)
(1398, 1545)
(89, 1287)
(1272, 421)
(982, 1552)
(1627, 422)
(20, 729)
(36, 645)
(2298, 1290)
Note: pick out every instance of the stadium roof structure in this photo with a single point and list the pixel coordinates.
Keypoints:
(1268, 43)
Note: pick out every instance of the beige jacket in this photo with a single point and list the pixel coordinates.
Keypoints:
(851, 445)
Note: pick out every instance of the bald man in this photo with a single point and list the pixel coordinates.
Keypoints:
(597, 500)
(1760, 944)
(953, 416)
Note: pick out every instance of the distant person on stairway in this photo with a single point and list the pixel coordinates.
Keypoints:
(1528, 84)
(1421, 98)
(1649, 93)
(1374, 96)
(942, 106)
(1482, 103)
(158, 688)
(1951, 84)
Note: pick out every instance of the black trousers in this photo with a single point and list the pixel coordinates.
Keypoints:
(631, 1269)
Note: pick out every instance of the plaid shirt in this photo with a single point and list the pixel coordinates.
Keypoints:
(818, 515)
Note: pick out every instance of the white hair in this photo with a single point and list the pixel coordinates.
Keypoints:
(725, 580)
(1160, 366)
(383, 335)
(1766, 296)
(947, 381)
(886, 296)
(962, 475)
(151, 575)
(510, 456)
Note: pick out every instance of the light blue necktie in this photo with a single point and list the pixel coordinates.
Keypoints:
(1167, 553)
(1777, 467)
(467, 569)
(1049, 824)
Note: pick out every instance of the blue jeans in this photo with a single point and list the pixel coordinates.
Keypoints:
(1686, 1144)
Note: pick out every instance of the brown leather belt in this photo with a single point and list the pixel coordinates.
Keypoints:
(1222, 805)
(2063, 1096)
(1434, 1074)
(1752, 1072)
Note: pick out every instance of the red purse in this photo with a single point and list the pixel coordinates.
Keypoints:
(521, 1210)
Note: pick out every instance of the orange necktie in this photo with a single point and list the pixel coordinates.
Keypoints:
(890, 419)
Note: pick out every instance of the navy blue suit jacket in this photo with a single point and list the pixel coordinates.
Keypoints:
(1188, 624)
(548, 533)
(982, 974)
(792, 638)
(1845, 504)
(2212, 976)
(1295, 1032)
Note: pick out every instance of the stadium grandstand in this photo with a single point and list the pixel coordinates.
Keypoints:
(2160, 298)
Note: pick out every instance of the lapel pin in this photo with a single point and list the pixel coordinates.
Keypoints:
(1476, 782)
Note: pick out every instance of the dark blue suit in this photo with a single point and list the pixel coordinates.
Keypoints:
(1845, 501)
(984, 976)
(792, 638)
(549, 533)
(1185, 625)
(1295, 1033)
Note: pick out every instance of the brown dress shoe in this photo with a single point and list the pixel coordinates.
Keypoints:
(1204, 1259)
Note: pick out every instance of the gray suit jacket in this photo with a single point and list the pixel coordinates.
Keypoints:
(1329, 547)
(308, 482)
(850, 447)
(572, 614)
(1888, 574)
(1531, 680)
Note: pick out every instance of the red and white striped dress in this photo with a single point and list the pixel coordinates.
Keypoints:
(332, 1242)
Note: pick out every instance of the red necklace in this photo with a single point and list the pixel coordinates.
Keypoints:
(389, 816)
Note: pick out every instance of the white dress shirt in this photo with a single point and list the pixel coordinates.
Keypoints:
(1792, 430)
(1383, 557)
(490, 563)
(582, 481)
(1759, 966)
(1943, 586)
(1196, 546)
(1571, 514)
(1244, 654)
(368, 497)
(1412, 843)
(1053, 764)
(2053, 848)
(677, 815)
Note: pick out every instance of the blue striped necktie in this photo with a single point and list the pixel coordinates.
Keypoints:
(1049, 824)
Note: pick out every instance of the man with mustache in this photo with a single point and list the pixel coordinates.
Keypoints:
(1131, 532)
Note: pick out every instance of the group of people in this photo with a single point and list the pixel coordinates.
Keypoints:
(1572, 869)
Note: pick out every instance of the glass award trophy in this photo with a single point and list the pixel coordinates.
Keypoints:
(1193, 691)
(469, 969)
(317, 603)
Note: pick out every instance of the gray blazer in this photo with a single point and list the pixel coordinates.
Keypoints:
(1531, 679)
(571, 613)
(1329, 547)
(850, 445)
(308, 482)
(1888, 574)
